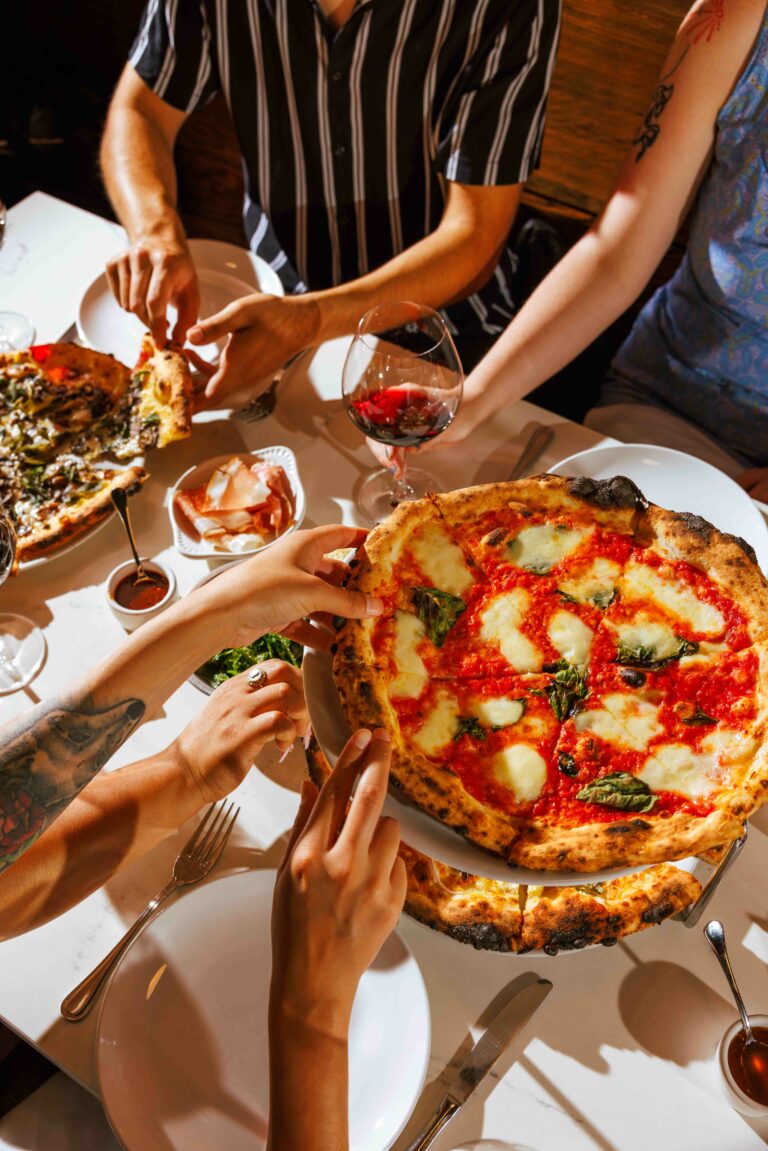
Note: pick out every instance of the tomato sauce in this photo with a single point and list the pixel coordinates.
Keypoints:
(138, 595)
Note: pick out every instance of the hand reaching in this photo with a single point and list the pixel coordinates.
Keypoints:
(150, 275)
(340, 890)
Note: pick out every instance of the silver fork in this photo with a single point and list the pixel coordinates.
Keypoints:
(263, 405)
(196, 859)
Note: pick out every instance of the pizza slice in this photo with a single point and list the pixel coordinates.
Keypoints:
(570, 918)
(539, 525)
(162, 396)
(55, 503)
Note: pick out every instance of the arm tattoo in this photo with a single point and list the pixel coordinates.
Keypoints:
(703, 25)
(48, 757)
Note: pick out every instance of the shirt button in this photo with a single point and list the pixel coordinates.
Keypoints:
(340, 150)
(336, 76)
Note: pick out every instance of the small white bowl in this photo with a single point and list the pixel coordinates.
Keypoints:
(186, 539)
(129, 618)
(733, 1093)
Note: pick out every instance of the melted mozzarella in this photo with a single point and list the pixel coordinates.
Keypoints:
(442, 561)
(658, 638)
(499, 712)
(408, 634)
(600, 577)
(440, 726)
(677, 767)
(500, 625)
(521, 768)
(641, 582)
(540, 547)
(624, 720)
(570, 636)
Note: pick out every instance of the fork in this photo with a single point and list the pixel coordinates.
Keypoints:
(196, 859)
(263, 405)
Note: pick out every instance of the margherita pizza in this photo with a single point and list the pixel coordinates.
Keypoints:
(65, 412)
(573, 679)
(493, 916)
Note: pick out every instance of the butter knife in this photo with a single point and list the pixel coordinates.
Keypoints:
(491, 1044)
(538, 441)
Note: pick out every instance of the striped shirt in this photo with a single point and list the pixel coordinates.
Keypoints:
(348, 136)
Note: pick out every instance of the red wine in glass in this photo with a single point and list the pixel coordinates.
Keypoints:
(403, 416)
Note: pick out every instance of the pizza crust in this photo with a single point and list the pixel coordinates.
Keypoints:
(167, 391)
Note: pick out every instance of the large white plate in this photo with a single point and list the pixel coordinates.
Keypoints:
(225, 273)
(679, 482)
(182, 1038)
(418, 829)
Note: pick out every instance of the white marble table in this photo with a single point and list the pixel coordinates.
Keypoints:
(621, 1057)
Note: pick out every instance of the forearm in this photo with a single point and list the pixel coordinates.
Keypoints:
(48, 755)
(139, 175)
(116, 819)
(587, 290)
(446, 266)
(308, 1075)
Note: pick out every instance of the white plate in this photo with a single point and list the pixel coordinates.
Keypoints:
(225, 273)
(418, 829)
(187, 541)
(679, 482)
(182, 1037)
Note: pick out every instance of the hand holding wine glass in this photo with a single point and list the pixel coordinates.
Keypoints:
(402, 385)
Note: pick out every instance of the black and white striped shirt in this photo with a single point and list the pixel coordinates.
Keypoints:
(348, 136)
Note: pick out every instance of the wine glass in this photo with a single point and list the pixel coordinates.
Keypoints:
(22, 644)
(402, 383)
(16, 332)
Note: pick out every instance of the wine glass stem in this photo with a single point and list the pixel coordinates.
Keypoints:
(401, 489)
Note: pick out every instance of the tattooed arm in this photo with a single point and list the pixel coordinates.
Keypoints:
(606, 271)
(50, 754)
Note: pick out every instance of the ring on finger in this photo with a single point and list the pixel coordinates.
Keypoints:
(256, 678)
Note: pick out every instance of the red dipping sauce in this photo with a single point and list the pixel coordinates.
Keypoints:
(757, 1087)
(142, 595)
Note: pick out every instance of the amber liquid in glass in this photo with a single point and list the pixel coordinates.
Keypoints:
(756, 1087)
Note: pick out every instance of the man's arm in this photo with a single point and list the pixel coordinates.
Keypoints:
(50, 754)
(447, 265)
(605, 272)
(121, 814)
(140, 177)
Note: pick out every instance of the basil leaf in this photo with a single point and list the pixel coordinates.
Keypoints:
(470, 726)
(437, 610)
(646, 656)
(567, 764)
(591, 888)
(604, 599)
(569, 685)
(564, 596)
(698, 718)
(619, 789)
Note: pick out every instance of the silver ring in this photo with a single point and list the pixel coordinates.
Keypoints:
(256, 678)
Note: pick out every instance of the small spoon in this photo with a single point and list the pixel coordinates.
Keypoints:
(120, 500)
(754, 1054)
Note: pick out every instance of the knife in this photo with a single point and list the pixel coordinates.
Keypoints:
(491, 1044)
(540, 439)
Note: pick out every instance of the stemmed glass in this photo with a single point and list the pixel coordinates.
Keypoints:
(22, 644)
(402, 383)
(16, 332)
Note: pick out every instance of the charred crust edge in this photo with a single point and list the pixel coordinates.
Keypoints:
(617, 492)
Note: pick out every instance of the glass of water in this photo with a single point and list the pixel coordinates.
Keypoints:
(16, 331)
(22, 644)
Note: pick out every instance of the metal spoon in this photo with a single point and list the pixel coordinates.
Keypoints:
(754, 1055)
(120, 500)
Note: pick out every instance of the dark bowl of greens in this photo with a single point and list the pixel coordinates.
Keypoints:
(232, 661)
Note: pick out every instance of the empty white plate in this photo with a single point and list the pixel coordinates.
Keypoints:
(225, 273)
(182, 1037)
(679, 482)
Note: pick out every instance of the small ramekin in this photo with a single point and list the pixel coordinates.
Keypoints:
(733, 1092)
(129, 618)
